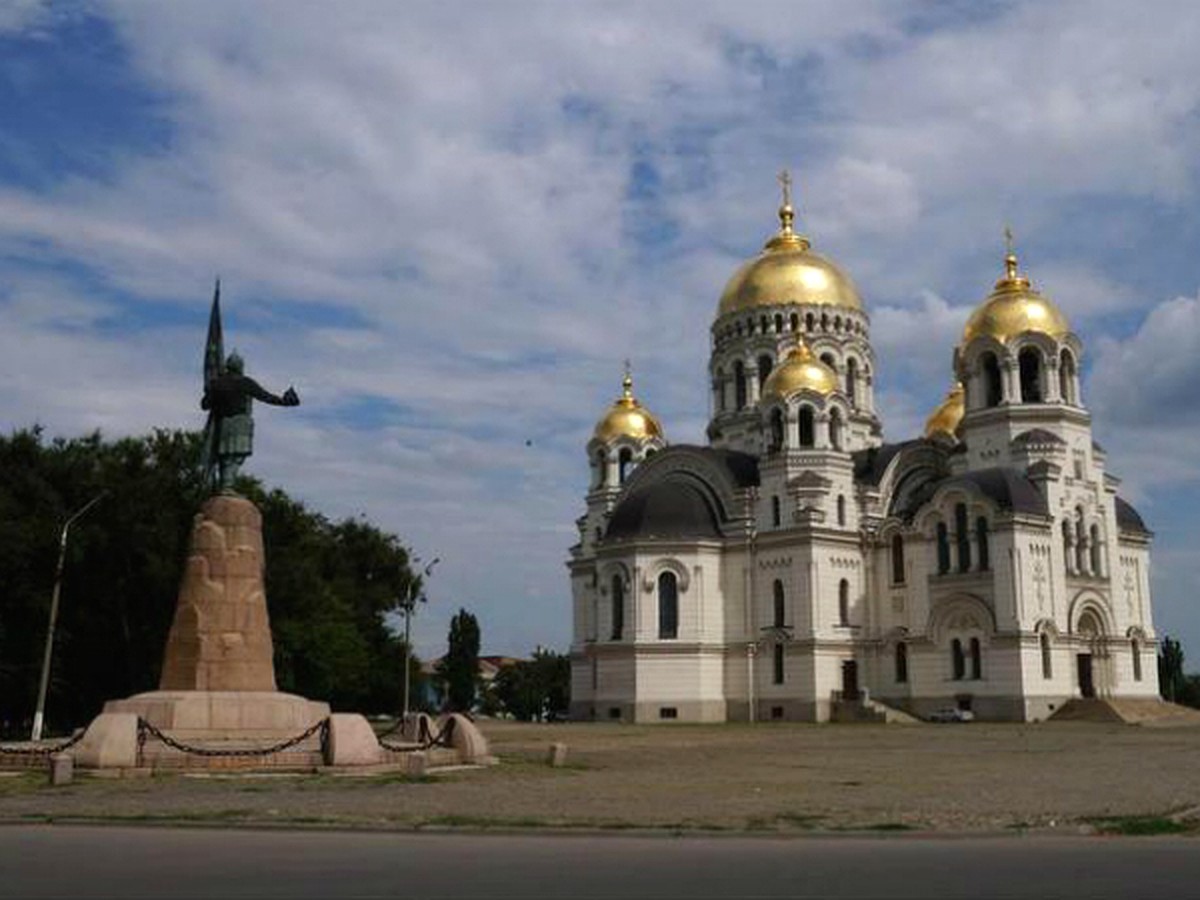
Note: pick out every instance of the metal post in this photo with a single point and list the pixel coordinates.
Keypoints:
(407, 655)
(44, 684)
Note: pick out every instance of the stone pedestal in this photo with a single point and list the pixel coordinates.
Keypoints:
(220, 639)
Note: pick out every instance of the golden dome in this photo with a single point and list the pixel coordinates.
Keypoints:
(788, 271)
(948, 416)
(1013, 308)
(800, 371)
(627, 418)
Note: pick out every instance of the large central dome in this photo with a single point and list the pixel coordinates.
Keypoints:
(787, 271)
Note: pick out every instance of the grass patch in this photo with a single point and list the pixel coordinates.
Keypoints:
(1140, 826)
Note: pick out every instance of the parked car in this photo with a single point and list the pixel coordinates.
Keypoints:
(952, 714)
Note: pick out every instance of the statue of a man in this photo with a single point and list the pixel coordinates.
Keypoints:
(228, 396)
(229, 437)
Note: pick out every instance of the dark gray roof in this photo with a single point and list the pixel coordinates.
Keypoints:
(742, 468)
(1038, 436)
(1098, 448)
(1009, 488)
(667, 509)
(1128, 518)
(870, 464)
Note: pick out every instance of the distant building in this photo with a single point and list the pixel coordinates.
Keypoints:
(489, 668)
(797, 560)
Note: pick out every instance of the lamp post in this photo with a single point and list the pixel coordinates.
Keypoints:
(415, 594)
(39, 713)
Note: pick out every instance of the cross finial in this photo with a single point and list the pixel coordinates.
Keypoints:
(785, 181)
(1010, 255)
(627, 381)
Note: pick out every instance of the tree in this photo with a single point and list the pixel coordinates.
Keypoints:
(460, 666)
(537, 688)
(1171, 680)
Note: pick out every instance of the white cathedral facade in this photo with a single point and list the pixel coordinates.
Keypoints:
(799, 563)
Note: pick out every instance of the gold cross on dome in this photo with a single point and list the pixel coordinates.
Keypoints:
(1008, 240)
(785, 181)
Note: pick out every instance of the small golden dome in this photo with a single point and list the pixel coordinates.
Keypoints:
(800, 371)
(948, 416)
(627, 418)
(1013, 308)
(788, 271)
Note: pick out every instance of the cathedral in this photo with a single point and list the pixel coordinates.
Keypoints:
(799, 567)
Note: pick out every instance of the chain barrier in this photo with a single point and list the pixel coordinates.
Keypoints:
(146, 731)
(427, 737)
(44, 751)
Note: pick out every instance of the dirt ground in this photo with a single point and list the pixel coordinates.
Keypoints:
(767, 777)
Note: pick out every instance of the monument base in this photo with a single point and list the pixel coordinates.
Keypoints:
(224, 715)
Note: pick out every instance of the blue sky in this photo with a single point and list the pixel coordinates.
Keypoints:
(447, 225)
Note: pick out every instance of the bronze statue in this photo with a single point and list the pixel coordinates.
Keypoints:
(228, 396)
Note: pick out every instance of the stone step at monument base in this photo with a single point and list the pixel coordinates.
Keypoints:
(248, 716)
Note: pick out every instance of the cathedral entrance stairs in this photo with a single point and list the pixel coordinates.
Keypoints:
(865, 710)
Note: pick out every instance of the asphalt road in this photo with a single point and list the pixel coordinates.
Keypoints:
(79, 861)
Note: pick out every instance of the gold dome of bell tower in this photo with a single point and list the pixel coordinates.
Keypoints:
(1014, 307)
(627, 418)
(788, 271)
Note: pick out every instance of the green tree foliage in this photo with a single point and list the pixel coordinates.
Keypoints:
(459, 668)
(330, 586)
(1170, 669)
(538, 687)
(1173, 684)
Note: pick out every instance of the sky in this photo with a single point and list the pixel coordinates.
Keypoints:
(447, 224)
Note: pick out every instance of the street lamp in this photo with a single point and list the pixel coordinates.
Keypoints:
(39, 713)
(415, 595)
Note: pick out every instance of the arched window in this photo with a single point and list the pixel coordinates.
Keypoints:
(1094, 550)
(943, 549)
(1029, 361)
(601, 468)
(739, 385)
(902, 663)
(624, 463)
(764, 369)
(852, 379)
(778, 323)
(776, 513)
(720, 390)
(777, 430)
(777, 669)
(1066, 377)
(837, 323)
(828, 359)
(962, 537)
(795, 322)
(764, 322)
(777, 597)
(809, 322)
(976, 659)
(981, 539)
(668, 606)
(993, 389)
(1136, 647)
(897, 559)
(824, 321)
(957, 660)
(841, 509)
(808, 427)
(1068, 555)
(843, 602)
(1047, 660)
(835, 429)
(618, 607)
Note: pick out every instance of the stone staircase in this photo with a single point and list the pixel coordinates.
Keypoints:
(866, 710)
(1148, 711)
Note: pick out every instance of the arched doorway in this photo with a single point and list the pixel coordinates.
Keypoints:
(1090, 631)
